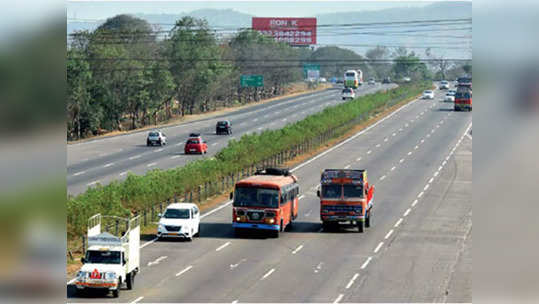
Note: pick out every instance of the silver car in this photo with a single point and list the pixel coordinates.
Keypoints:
(156, 138)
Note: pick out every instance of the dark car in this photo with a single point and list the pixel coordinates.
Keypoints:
(386, 80)
(223, 126)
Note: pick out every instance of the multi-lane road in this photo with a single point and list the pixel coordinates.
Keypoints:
(106, 159)
(418, 249)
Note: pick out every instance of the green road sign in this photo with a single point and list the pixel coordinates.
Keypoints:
(310, 67)
(252, 80)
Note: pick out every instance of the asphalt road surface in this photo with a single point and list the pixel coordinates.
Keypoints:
(107, 159)
(418, 249)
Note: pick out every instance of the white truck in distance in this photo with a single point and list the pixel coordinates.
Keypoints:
(110, 261)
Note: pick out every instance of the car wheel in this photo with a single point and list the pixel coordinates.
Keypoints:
(160, 143)
(147, 144)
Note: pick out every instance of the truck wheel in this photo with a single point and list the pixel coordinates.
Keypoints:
(130, 280)
(368, 220)
(326, 226)
(360, 226)
(116, 292)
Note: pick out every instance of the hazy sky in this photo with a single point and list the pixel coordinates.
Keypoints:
(102, 10)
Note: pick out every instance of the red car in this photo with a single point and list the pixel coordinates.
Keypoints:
(195, 144)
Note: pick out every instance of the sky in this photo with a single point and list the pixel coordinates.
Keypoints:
(103, 10)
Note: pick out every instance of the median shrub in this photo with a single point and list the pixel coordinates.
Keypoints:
(137, 193)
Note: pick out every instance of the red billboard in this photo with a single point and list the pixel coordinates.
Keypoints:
(297, 31)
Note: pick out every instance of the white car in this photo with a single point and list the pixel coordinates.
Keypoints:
(348, 93)
(372, 81)
(428, 94)
(407, 79)
(322, 80)
(156, 138)
(444, 85)
(180, 220)
(449, 97)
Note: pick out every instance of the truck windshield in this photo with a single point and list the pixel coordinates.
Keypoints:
(331, 191)
(103, 257)
(353, 190)
(176, 214)
(256, 197)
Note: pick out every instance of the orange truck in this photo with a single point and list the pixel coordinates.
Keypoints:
(345, 198)
(266, 201)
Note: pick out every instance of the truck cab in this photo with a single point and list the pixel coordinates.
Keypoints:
(345, 198)
(110, 262)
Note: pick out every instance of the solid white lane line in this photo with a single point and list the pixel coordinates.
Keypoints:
(393, 168)
(398, 223)
(297, 249)
(339, 298)
(420, 194)
(268, 273)
(369, 152)
(402, 160)
(352, 280)
(383, 177)
(148, 243)
(378, 247)
(414, 203)
(388, 234)
(426, 187)
(137, 299)
(346, 167)
(407, 212)
(216, 209)
(222, 246)
(151, 164)
(92, 183)
(366, 263)
(108, 165)
(184, 271)
(79, 173)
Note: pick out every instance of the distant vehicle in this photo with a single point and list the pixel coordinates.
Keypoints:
(333, 80)
(180, 220)
(195, 144)
(463, 98)
(407, 79)
(345, 197)
(156, 138)
(353, 79)
(322, 80)
(450, 96)
(428, 94)
(267, 201)
(386, 80)
(110, 261)
(223, 126)
(348, 93)
(340, 80)
(444, 85)
(372, 81)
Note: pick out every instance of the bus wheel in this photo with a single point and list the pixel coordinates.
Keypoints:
(360, 226)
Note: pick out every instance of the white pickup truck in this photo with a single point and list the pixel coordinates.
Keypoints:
(110, 261)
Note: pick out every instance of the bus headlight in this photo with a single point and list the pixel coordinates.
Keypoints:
(238, 219)
(270, 220)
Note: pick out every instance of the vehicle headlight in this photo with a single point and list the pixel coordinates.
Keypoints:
(82, 274)
(238, 219)
(270, 220)
(110, 276)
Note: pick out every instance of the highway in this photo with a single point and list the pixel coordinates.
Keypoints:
(418, 249)
(106, 159)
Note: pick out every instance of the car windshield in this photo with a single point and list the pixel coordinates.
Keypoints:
(428, 92)
(153, 134)
(222, 123)
(347, 91)
(192, 141)
(353, 190)
(331, 191)
(256, 197)
(103, 257)
(176, 213)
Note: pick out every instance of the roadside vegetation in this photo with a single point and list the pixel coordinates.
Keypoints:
(138, 193)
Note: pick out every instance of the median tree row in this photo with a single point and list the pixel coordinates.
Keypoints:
(202, 178)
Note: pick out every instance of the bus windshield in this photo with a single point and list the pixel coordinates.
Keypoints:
(331, 191)
(353, 190)
(256, 197)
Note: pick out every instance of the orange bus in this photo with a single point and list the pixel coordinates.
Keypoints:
(267, 200)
